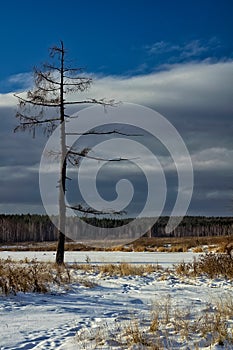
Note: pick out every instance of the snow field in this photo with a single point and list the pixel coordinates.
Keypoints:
(161, 309)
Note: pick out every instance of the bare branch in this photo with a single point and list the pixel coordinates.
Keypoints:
(89, 210)
(92, 101)
(44, 76)
(34, 122)
(102, 133)
(49, 89)
(56, 49)
(73, 70)
(78, 78)
(51, 67)
(85, 155)
(39, 103)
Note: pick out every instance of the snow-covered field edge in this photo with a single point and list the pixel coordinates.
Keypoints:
(162, 309)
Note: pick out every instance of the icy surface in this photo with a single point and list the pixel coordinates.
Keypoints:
(164, 259)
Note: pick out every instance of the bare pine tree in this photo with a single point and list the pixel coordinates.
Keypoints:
(45, 106)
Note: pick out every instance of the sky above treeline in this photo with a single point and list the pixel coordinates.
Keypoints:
(175, 57)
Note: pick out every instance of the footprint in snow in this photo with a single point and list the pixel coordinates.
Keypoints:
(136, 301)
(127, 288)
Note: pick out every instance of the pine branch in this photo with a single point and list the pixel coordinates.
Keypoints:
(89, 210)
(44, 104)
(35, 119)
(42, 75)
(49, 89)
(34, 122)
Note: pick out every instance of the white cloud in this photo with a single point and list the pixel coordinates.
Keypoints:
(200, 94)
(25, 79)
(213, 159)
(190, 49)
(205, 85)
(7, 100)
(213, 195)
(194, 48)
(196, 86)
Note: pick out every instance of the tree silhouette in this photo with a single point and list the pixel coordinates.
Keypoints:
(45, 106)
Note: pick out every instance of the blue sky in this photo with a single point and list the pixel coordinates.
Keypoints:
(114, 37)
(173, 56)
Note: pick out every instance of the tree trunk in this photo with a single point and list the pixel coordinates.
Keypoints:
(62, 180)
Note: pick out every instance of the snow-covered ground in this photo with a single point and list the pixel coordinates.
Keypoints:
(80, 317)
(98, 257)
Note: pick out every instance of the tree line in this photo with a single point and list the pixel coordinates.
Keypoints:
(39, 228)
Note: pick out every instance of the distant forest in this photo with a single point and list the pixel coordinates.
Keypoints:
(39, 228)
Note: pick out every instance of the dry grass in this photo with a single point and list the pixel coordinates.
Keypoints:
(198, 250)
(162, 250)
(36, 277)
(161, 244)
(179, 249)
(212, 324)
(211, 264)
(27, 277)
(176, 244)
(120, 248)
(186, 242)
(121, 269)
(134, 334)
(169, 322)
(169, 327)
(33, 276)
(45, 246)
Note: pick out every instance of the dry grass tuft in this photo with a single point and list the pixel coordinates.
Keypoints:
(121, 269)
(28, 277)
(178, 249)
(126, 269)
(162, 250)
(36, 277)
(198, 250)
(134, 334)
(170, 327)
(211, 264)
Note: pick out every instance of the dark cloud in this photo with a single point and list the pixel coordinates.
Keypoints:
(195, 98)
